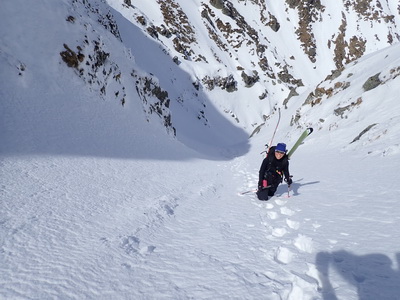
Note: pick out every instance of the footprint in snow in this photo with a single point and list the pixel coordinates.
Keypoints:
(304, 243)
(147, 250)
(286, 211)
(280, 201)
(130, 244)
(283, 255)
(293, 224)
(272, 215)
(279, 232)
(269, 206)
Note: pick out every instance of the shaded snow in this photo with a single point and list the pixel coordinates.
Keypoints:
(98, 203)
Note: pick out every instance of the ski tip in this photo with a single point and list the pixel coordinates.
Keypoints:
(310, 130)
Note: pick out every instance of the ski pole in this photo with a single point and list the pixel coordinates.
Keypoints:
(250, 191)
(273, 135)
(288, 187)
(255, 190)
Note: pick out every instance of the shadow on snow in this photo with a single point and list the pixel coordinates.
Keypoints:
(44, 113)
(372, 275)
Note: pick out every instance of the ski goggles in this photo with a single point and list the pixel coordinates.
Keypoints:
(281, 152)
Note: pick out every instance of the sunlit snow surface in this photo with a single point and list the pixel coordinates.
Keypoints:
(98, 203)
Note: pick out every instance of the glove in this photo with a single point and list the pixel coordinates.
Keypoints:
(262, 184)
(289, 181)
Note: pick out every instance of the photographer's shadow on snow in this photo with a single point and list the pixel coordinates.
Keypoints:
(373, 275)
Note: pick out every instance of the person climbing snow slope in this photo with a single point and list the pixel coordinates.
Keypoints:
(274, 167)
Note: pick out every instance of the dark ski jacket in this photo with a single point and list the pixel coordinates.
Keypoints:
(274, 169)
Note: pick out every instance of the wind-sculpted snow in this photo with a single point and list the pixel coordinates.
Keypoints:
(107, 228)
(99, 201)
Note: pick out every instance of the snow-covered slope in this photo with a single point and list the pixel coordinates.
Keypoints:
(120, 167)
(100, 65)
(252, 55)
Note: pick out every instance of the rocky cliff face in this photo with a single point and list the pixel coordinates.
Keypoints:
(345, 29)
(269, 50)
